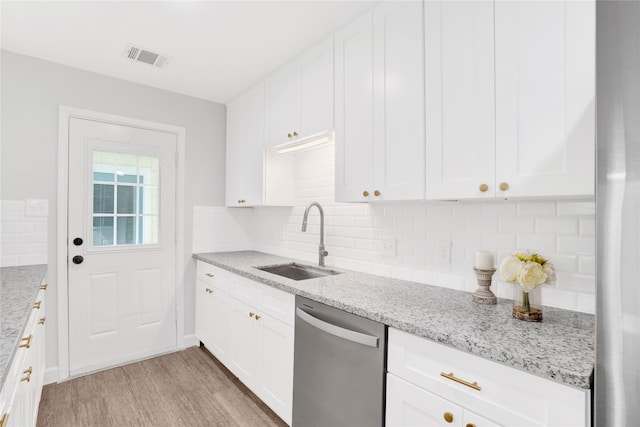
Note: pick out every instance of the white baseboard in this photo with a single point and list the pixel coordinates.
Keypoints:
(51, 375)
(191, 341)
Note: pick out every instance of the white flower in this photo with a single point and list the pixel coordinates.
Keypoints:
(551, 274)
(510, 267)
(531, 276)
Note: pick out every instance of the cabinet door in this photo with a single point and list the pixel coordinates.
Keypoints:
(245, 150)
(275, 364)
(281, 106)
(545, 91)
(408, 405)
(316, 89)
(203, 311)
(218, 324)
(354, 110)
(398, 125)
(243, 335)
(460, 106)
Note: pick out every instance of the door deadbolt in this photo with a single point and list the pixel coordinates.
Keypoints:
(77, 259)
(77, 241)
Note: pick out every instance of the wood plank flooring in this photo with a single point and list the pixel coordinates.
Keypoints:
(186, 388)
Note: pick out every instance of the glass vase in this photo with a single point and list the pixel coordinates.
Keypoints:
(527, 306)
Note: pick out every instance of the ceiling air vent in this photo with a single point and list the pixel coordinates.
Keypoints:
(139, 54)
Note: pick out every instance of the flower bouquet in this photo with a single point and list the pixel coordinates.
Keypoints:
(529, 271)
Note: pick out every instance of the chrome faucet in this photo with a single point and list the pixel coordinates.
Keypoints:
(321, 252)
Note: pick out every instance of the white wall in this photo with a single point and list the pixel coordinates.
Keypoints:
(33, 90)
(562, 230)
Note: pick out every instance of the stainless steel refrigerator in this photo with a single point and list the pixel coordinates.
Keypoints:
(617, 376)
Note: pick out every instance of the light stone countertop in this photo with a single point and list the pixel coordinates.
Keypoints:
(560, 348)
(18, 291)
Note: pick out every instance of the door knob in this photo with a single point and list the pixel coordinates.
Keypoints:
(77, 241)
(78, 259)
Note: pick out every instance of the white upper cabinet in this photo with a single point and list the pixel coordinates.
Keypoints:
(299, 97)
(460, 99)
(380, 147)
(254, 177)
(545, 93)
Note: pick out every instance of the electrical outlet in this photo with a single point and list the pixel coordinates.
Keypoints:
(36, 207)
(444, 251)
(390, 247)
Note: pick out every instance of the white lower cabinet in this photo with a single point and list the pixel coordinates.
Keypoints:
(421, 390)
(21, 391)
(249, 327)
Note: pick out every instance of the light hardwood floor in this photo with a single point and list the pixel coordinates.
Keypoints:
(186, 388)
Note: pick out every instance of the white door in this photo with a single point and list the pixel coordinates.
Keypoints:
(121, 244)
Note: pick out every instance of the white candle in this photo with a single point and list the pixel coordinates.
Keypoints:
(484, 260)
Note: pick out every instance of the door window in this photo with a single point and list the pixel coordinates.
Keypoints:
(125, 199)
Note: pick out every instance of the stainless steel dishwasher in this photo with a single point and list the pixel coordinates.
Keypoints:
(339, 368)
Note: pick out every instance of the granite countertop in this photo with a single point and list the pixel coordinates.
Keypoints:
(561, 348)
(18, 291)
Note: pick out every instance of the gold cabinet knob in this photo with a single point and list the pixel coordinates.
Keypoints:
(484, 187)
(504, 186)
(289, 135)
(251, 314)
(376, 193)
(257, 317)
(470, 425)
(448, 417)
(295, 133)
(365, 193)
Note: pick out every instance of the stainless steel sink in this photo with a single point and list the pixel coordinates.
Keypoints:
(297, 271)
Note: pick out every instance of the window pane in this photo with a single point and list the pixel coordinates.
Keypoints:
(148, 200)
(127, 167)
(148, 230)
(126, 231)
(148, 170)
(104, 166)
(103, 198)
(102, 231)
(126, 199)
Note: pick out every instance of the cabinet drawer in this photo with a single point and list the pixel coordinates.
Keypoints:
(278, 304)
(211, 274)
(506, 395)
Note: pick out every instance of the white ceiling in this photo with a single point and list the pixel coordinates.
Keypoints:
(217, 48)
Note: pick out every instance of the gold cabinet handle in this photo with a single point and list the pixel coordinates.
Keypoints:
(26, 378)
(257, 317)
(376, 193)
(448, 417)
(209, 274)
(4, 419)
(28, 371)
(208, 290)
(365, 193)
(26, 342)
(484, 187)
(470, 425)
(289, 135)
(41, 321)
(43, 287)
(295, 133)
(251, 314)
(450, 376)
(504, 186)
(37, 304)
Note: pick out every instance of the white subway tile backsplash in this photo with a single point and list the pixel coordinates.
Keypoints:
(23, 238)
(561, 230)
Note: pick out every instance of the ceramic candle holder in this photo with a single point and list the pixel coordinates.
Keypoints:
(483, 294)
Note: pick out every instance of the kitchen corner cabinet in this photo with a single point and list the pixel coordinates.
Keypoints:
(379, 105)
(418, 393)
(299, 97)
(545, 98)
(251, 331)
(254, 176)
(543, 142)
(21, 392)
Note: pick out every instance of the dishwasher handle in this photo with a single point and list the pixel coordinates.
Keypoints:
(347, 334)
